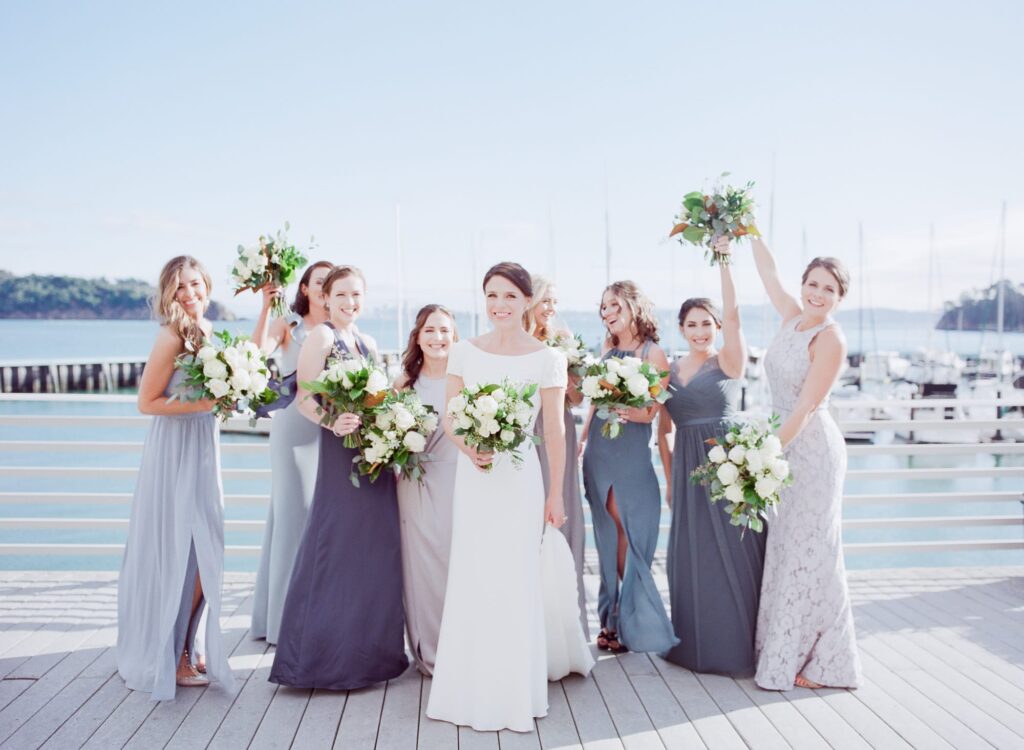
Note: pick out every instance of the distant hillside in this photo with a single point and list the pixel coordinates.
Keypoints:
(68, 297)
(978, 310)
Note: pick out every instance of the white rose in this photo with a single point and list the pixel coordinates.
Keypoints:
(372, 454)
(486, 405)
(457, 404)
(250, 348)
(489, 427)
(261, 262)
(219, 388)
(377, 382)
(240, 380)
(734, 493)
(241, 268)
(507, 436)
(414, 441)
(591, 387)
(499, 395)
(333, 374)
(730, 438)
(612, 365)
(383, 420)
(771, 447)
(737, 454)
(214, 368)
(717, 454)
(207, 353)
(754, 461)
(612, 378)
(632, 362)
(464, 422)
(780, 469)
(727, 473)
(766, 486)
(637, 385)
(259, 382)
(430, 423)
(404, 418)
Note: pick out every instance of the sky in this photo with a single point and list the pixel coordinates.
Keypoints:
(132, 132)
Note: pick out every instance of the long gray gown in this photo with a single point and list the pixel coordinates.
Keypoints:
(574, 528)
(294, 446)
(714, 576)
(425, 509)
(632, 608)
(176, 531)
(342, 627)
(805, 623)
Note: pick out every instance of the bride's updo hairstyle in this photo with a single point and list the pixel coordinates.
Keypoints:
(700, 303)
(835, 267)
(168, 310)
(645, 324)
(519, 277)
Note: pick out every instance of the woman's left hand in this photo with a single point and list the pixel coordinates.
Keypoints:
(554, 511)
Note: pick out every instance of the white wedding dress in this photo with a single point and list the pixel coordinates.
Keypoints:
(492, 666)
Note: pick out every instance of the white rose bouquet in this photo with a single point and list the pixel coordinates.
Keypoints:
(495, 418)
(348, 385)
(394, 438)
(622, 383)
(272, 261)
(575, 351)
(747, 471)
(231, 371)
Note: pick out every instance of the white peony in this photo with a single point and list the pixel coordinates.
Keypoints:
(507, 436)
(780, 469)
(771, 447)
(241, 268)
(730, 438)
(612, 378)
(737, 454)
(766, 486)
(612, 365)
(754, 461)
(637, 385)
(523, 415)
(591, 387)
(414, 441)
(250, 348)
(457, 404)
(717, 454)
(206, 353)
(489, 427)
(734, 493)
(464, 422)
(219, 388)
(486, 405)
(240, 380)
(214, 368)
(377, 382)
(258, 382)
(404, 418)
(499, 395)
(727, 473)
(383, 420)
(430, 422)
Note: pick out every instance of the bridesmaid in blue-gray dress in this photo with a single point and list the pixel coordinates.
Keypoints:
(714, 572)
(342, 627)
(294, 446)
(623, 492)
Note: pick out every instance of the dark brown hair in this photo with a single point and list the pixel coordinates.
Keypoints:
(835, 267)
(341, 272)
(301, 303)
(514, 273)
(645, 324)
(412, 359)
(700, 303)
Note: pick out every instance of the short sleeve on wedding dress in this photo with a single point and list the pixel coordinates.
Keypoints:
(556, 370)
(455, 357)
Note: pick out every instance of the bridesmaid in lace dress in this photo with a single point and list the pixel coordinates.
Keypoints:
(623, 492)
(541, 323)
(425, 507)
(294, 444)
(805, 633)
(714, 572)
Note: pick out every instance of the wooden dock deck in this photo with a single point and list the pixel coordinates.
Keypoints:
(943, 654)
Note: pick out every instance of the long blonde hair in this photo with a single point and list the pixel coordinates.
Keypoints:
(541, 285)
(165, 303)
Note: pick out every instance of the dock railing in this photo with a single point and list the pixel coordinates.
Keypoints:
(63, 454)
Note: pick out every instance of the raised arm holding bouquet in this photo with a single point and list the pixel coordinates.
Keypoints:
(273, 261)
(724, 212)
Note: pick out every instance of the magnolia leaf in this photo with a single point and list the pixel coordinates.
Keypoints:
(677, 229)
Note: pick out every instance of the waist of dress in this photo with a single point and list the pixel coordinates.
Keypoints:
(785, 411)
(703, 420)
(186, 417)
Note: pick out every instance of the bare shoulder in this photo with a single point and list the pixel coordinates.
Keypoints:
(401, 382)
(830, 340)
(657, 356)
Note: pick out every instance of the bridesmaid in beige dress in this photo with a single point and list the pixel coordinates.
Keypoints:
(425, 507)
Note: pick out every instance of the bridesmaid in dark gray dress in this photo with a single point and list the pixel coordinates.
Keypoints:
(342, 626)
(714, 575)
(623, 492)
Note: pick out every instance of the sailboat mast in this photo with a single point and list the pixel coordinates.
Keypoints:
(1000, 289)
(400, 308)
(931, 276)
(860, 311)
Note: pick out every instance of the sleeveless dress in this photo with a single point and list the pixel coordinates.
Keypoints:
(176, 531)
(342, 626)
(574, 528)
(294, 446)
(714, 576)
(805, 623)
(425, 509)
(491, 668)
(632, 608)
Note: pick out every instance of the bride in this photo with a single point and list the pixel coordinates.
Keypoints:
(491, 667)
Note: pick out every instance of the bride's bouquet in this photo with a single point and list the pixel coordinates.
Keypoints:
(725, 212)
(622, 383)
(273, 261)
(575, 351)
(349, 385)
(231, 371)
(395, 438)
(747, 471)
(495, 418)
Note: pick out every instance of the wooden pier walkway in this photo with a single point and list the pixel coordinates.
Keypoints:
(943, 654)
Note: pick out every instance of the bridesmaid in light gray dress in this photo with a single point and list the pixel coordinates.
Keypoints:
(541, 316)
(294, 449)
(714, 572)
(805, 633)
(425, 507)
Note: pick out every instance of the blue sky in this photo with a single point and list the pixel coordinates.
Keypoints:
(135, 131)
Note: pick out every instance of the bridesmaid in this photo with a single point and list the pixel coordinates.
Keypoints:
(294, 444)
(714, 575)
(805, 633)
(541, 323)
(342, 623)
(623, 492)
(174, 558)
(425, 507)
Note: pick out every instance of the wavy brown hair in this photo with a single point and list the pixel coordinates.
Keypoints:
(412, 358)
(166, 306)
(645, 324)
(301, 304)
(341, 272)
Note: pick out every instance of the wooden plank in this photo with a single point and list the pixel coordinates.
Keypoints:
(470, 739)
(319, 723)
(433, 733)
(360, 721)
(789, 722)
(862, 719)
(282, 718)
(627, 712)
(829, 724)
(509, 740)
(244, 717)
(742, 712)
(11, 689)
(400, 715)
(593, 721)
(714, 729)
(118, 727)
(77, 730)
(903, 721)
(668, 717)
(50, 717)
(557, 729)
(163, 721)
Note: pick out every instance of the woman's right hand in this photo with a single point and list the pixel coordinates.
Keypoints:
(723, 248)
(482, 460)
(270, 293)
(346, 424)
